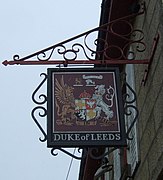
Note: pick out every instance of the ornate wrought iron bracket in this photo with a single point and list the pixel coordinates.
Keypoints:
(94, 152)
(42, 112)
(83, 151)
(68, 51)
(130, 109)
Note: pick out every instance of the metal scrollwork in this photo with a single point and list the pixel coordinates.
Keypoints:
(130, 109)
(42, 112)
(16, 57)
(97, 153)
(42, 97)
(84, 153)
(43, 56)
(86, 44)
(127, 98)
(94, 153)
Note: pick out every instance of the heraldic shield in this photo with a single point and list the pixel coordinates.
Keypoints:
(85, 109)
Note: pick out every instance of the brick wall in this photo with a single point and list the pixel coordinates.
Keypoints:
(150, 96)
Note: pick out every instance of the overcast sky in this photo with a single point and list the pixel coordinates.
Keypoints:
(26, 27)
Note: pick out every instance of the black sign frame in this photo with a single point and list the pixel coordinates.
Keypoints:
(60, 134)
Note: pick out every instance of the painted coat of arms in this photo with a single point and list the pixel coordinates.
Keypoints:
(83, 100)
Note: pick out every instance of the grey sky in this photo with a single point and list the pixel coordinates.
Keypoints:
(26, 27)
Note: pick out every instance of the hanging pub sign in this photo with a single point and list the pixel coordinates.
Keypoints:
(84, 108)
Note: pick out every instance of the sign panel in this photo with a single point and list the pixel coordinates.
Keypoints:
(85, 108)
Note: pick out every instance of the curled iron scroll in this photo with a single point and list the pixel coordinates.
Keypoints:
(40, 111)
(130, 108)
(95, 153)
(84, 153)
(127, 97)
(43, 114)
(128, 112)
(42, 97)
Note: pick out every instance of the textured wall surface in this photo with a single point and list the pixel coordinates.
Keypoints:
(150, 96)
